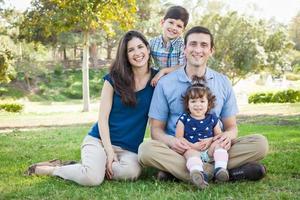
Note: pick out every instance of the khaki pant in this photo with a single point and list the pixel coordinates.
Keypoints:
(156, 154)
(91, 171)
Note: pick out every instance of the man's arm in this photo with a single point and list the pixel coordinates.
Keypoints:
(230, 127)
(230, 132)
(157, 129)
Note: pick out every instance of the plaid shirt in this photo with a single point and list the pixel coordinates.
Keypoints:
(167, 56)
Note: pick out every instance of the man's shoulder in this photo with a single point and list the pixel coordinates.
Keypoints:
(217, 76)
(169, 78)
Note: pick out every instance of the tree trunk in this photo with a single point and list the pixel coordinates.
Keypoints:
(109, 48)
(94, 54)
(65, 54)
(85, 73)
(27, 81)
(75, 47)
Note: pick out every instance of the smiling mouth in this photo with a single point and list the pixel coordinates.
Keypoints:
(139, 59)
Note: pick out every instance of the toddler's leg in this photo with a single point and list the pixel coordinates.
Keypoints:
(195, 166)
(221, 160)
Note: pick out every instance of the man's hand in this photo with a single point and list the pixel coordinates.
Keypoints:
(224, 140)
(180, 145)
(202, 145)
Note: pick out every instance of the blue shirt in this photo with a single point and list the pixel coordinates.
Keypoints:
(196, 130)
(167, 105)
(169, 55)
(127, 124)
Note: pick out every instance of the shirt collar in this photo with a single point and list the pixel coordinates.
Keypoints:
(171, 42)
(182, 76)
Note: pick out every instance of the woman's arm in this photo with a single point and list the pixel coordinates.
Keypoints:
(104, 112)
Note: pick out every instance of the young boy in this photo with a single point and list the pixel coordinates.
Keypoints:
(167, 49)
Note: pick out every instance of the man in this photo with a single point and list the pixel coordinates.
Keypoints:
(164, 151)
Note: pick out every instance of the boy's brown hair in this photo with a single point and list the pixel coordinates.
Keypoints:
(177, 12)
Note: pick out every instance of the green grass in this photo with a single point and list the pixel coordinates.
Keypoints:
(20, 149)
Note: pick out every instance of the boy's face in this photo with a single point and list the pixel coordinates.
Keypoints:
(172, 28)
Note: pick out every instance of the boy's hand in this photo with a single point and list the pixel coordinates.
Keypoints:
(156, 78)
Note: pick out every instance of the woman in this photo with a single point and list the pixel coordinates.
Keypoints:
(110, 148)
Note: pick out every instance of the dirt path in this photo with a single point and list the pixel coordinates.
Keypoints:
(37, 115)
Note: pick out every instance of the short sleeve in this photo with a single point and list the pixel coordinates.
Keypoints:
(230, 105)
(182, 118)
(107, 77)
(214, 120)
(159, 108)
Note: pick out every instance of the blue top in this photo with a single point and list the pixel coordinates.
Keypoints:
(127, 124)
(169, 55)
(196, 130)
(167, 105)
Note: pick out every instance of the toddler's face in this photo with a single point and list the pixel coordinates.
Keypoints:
(198, 107)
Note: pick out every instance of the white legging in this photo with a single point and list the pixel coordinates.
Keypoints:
(91, 171)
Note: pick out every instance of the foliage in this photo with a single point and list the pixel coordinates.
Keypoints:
(19, 149)
(47, 19)
(245, 45)
(294, 30)
(286, 96)
(11, 107)
(292, 76)
(6, 70)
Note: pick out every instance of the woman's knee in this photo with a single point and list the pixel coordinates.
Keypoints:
(128, 172)
(93, 180)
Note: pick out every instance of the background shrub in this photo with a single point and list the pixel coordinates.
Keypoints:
(286, 96)
(11, 107)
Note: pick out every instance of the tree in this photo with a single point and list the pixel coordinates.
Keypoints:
(294, 31)
(47, 18)
(245, 45)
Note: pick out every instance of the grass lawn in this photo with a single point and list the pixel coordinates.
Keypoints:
(19, 149)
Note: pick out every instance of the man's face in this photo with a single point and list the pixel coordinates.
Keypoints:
(198, 49)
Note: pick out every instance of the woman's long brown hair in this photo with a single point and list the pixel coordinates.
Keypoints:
(121, 71)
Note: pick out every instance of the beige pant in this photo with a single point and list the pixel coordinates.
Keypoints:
(91, 171)
(156, 154)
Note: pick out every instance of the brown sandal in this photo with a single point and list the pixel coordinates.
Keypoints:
(52, 163)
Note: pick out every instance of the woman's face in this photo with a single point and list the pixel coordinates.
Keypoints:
(138, 53)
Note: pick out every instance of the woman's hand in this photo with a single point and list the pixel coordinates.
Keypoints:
(111, 157)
